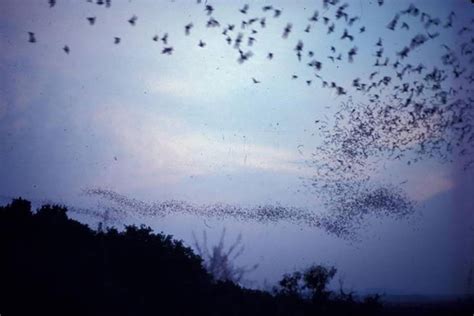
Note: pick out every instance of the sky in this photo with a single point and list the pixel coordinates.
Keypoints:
(194, 127)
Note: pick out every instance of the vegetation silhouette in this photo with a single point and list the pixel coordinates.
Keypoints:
(54, 265)
(220, 262)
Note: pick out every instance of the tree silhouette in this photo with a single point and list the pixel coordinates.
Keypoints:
(316, 279)
(52, 265)
(290, 284)
(219, 262)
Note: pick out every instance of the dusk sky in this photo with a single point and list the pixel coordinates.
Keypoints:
(194, 127)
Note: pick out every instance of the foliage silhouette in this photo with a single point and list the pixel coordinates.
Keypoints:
(316, 280)
(53, 265)
(219, 261)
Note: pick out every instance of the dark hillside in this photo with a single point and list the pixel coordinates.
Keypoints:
(53, 265)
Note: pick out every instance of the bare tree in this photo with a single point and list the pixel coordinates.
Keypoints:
(220, 262)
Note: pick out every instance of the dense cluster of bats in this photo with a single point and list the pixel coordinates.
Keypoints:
(410, 110)
(344, 222)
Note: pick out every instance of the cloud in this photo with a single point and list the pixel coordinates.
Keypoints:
(166, 148)
(210, 155)
(183, 85)
(428, 185)
(422, 181)
(173, 87)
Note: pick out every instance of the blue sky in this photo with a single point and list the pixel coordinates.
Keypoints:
(192, 126)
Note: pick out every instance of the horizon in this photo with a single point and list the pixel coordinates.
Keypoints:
(123, 128)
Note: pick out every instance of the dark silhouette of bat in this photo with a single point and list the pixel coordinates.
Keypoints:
(187, 28)
(91, 20)
(209, 9)
(287, 30)
(347, 35)
(31, 37)
(167, 50)
(133, 20)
